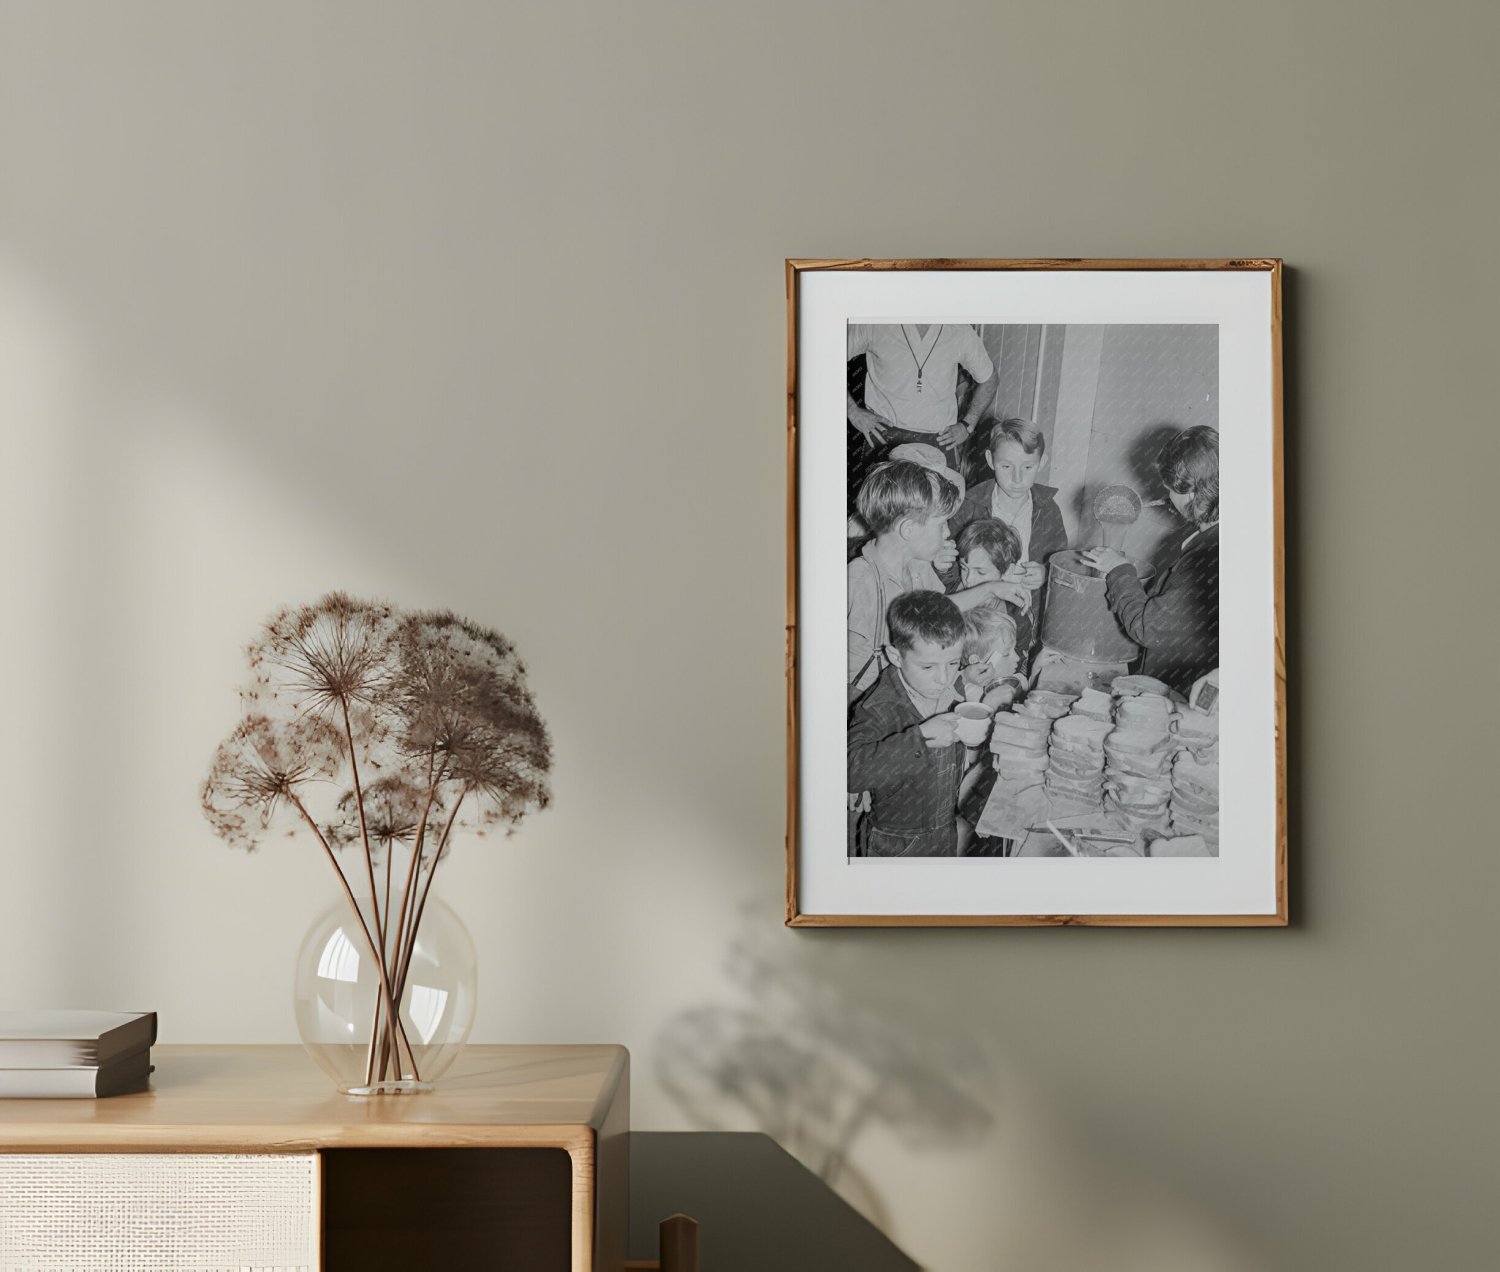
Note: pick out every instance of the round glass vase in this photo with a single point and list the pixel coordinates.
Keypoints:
(341, 1000)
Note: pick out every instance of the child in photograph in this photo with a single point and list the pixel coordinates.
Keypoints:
(905, 505)
(990, 676)
(990, 551)
(1015, 453)
(903, 747)
(992, 664)
(930, 457)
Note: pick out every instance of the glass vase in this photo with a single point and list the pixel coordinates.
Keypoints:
(341, 1000)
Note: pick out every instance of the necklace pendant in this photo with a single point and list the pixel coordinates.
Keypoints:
(919, 384)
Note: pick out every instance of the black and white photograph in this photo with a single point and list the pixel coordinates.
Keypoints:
(1032, 591)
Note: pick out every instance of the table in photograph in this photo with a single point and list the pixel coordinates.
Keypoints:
(1020, 811)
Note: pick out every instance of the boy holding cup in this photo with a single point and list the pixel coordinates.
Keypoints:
(904, 743)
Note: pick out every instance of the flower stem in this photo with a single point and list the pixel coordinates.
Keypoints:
(364, 838)
(385, 984)
(364, 833)
(403, 963)
(434, 777)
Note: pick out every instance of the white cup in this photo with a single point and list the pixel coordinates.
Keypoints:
(973, 722)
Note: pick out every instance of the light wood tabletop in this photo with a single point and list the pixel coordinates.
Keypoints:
(275, 1099)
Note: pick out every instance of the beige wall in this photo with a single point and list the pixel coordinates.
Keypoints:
(481, 305)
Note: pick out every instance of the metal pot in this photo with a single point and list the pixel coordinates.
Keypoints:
(1076, 620)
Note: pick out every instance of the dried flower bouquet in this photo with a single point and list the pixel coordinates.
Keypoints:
(381, 734)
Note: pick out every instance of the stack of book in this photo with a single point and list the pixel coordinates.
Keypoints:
(50, 1055)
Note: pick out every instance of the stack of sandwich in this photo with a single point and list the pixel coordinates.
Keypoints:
(74, 1054)
(1195, 798)
(1096, 705)
(1139, 755)
(1019, 744)
(1075, 764)
(1047, 704)
(1198, 731)
(1031, 720)
(1151, 712)
(1127, 686)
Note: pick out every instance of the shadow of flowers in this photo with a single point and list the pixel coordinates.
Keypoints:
(802, 1059)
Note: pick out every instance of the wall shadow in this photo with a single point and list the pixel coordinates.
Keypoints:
(798, 1058)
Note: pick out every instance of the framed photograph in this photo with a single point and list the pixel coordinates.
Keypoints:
(1020, 495)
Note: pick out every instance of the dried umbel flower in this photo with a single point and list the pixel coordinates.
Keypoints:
(448, 669)
(323, 659)
(395, 805)
(461, 694)
(260, 770)
(418, 725)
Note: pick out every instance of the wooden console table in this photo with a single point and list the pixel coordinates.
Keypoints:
(520, 1158)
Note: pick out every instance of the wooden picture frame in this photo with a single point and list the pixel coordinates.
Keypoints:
(1166, 327)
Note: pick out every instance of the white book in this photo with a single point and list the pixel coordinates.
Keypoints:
(72, 1039)
(120, 1076)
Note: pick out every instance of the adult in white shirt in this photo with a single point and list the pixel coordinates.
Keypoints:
(911, 383)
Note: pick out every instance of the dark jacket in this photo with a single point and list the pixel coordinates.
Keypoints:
(1176, 620)
(913, 787)
(1048, 535)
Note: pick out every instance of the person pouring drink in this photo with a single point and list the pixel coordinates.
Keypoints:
(1175, 620)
